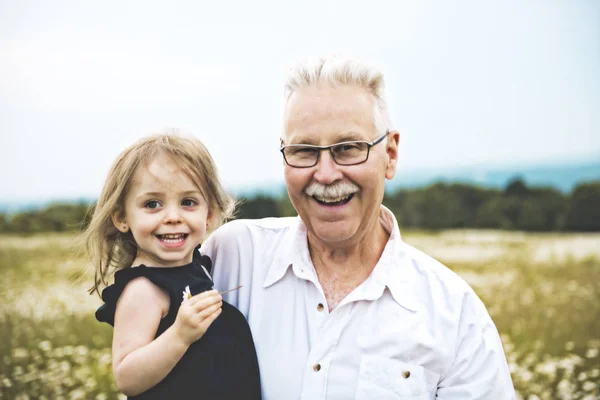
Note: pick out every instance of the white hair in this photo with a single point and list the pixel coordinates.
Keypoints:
(336, 70)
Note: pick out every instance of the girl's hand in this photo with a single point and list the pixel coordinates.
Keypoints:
(196, 314)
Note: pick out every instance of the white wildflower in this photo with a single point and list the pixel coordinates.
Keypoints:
(186, 293)
(45, 345)
(570, 345)
(20, 353)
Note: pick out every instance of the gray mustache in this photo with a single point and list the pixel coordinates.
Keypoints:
(339, 189)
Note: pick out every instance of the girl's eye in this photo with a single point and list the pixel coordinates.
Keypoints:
(188, 203)
(152, 204)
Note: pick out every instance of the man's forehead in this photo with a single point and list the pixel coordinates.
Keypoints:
(337, 114)
(328, 98)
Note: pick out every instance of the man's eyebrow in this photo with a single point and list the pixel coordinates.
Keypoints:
(297, 140)
(349, 137)
(337, 138)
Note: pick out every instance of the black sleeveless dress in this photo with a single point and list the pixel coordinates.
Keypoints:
(222, 364)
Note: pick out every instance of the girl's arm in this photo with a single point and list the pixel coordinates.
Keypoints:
(140, 361)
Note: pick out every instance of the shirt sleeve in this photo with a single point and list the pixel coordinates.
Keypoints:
(479, 369)
(230, 252)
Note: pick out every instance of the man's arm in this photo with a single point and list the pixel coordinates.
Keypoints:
(224, 249)
(479, 369)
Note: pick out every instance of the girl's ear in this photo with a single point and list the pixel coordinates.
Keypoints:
(209, 219)
(119, 221)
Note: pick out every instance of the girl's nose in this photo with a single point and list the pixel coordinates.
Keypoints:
(173, 216)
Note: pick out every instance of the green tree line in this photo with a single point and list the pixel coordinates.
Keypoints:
(439, 206)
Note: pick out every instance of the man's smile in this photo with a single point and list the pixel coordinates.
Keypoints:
(333, 201)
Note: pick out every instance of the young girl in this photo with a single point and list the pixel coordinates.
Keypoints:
(173, 335)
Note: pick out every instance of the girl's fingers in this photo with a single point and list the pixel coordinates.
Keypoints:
(200, 296)
(207, 302)
(207, 312)
(211, 318)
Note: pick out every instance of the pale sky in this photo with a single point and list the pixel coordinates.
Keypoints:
(468, 82)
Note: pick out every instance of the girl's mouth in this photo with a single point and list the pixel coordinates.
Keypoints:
(172, 238)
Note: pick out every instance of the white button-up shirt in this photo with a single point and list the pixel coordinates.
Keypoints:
(412, 330)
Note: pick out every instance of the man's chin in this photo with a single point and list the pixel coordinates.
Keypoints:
(332, 232)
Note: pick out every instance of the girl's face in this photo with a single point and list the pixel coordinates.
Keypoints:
(166, 214)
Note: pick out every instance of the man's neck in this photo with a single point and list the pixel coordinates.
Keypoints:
(342, 268)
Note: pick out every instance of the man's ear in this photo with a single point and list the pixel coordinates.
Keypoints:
(391, 148)
(119, 221)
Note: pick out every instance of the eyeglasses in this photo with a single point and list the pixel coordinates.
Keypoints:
(345, 153)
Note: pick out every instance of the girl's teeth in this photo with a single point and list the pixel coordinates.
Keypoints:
(172, 238)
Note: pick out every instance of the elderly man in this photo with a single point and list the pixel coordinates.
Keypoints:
(339, 306)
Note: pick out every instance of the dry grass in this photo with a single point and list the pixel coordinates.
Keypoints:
(542, 291)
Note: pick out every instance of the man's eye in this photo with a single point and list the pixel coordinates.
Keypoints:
(188, 203)
(152, 204)
(301, 150)
(350, 149)
(347, 147)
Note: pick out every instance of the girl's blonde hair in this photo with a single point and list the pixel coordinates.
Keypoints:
(110, 249)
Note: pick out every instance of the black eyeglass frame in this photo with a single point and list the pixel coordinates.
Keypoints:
(330, 148)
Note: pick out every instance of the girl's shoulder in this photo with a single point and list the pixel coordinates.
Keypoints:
(112, 293)
(172, 281)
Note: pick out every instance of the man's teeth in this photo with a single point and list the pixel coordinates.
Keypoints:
(333, 199)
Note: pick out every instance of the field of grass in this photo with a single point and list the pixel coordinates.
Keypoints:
(542, 290)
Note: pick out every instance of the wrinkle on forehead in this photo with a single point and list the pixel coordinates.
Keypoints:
(319, 114)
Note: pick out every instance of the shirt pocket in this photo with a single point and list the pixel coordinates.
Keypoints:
(389, 379)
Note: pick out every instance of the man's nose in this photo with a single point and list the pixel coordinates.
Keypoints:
(327, 170)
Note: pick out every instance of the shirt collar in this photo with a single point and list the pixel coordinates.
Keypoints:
(293, 252)
(394, 270)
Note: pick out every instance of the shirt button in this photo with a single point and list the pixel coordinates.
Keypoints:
(320, 307)
(317, 367)
(406, 374)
